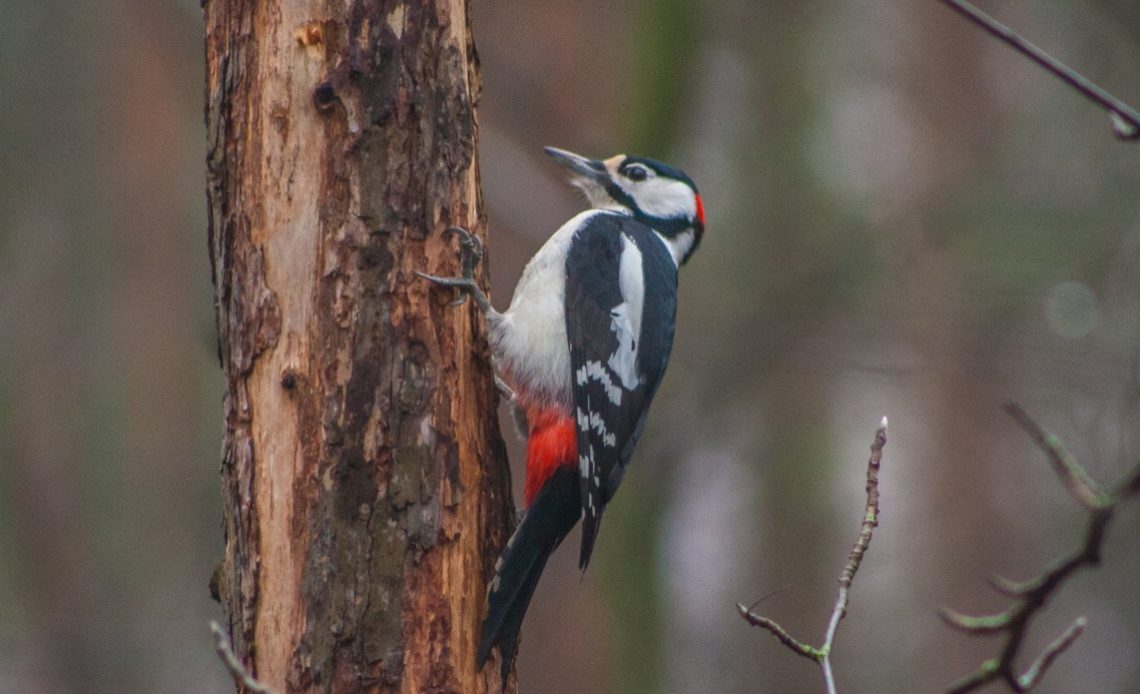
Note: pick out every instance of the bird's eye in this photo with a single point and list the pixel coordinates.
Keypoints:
(636, 173)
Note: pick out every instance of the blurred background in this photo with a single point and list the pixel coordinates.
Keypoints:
(905, 218)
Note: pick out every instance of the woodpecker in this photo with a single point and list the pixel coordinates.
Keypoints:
(582, 349)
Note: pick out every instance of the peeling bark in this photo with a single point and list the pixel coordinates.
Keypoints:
(365, 484)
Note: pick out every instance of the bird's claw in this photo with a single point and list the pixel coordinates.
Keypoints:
(470, 255)
(470, 250)
(464, 285)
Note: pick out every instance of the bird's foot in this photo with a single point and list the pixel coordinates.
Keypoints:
(470, 255)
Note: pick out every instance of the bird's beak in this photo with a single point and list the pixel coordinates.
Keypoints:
(583, 169)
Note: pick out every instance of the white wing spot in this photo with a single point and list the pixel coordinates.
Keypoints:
(596, 371)
(596, 423)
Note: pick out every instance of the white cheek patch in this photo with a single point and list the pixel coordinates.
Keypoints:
(663, 197)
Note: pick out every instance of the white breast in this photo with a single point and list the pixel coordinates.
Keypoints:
(528, 340)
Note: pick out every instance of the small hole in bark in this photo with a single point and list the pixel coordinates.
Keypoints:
(324, 96)
(289, 380)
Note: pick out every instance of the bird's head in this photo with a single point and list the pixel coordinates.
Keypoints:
(657, 194)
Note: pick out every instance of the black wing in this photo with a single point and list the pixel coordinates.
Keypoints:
(621, 300)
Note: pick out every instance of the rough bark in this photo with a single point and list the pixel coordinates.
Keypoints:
(365, 486)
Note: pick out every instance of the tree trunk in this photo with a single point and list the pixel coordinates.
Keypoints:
(365, 483)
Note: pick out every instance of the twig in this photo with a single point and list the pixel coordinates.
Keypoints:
(778, 631)
(1030, 597)
(1033, 675)
(1125, 119)
(822, 655)
(1083, 488)
(242, 677)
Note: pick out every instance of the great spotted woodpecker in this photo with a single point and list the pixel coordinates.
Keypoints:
(583, 346)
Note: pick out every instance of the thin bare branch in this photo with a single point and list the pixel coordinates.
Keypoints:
(1037, 670)
(1030, 596)
(1083, 488)
(1125, 120)
(985, 674)
(822, 655)
(984, 624)
(1007, 587)
(779, 632)
(242, 677)
(866, 529)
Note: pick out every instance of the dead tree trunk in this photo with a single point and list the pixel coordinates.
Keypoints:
(365, 486)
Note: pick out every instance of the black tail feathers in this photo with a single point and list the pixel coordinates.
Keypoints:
(548, 520)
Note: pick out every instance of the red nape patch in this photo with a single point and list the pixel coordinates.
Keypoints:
(553, 443)
(700, 209)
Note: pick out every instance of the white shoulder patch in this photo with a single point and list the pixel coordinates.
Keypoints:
(626, 316)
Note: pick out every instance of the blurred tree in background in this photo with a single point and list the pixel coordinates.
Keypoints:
(905, 218)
